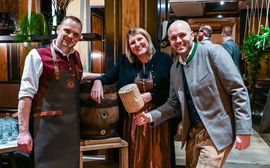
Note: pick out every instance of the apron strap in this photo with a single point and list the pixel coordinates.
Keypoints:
(76, 65)
(47, 113)
(55, 63)
(77, 71)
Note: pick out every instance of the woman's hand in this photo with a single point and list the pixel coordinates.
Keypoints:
(146, 97)
(97, 91)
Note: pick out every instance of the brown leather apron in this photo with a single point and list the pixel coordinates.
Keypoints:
(148, 147)
(56, 122)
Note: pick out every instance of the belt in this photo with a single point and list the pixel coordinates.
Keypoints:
(47, 113)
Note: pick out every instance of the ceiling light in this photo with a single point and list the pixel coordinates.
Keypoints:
(219, 16)
(221, 2)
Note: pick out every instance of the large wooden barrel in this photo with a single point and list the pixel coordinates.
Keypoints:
(98, 120)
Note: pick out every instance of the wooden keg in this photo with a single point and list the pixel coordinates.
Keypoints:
(131, 98)
(98, 120)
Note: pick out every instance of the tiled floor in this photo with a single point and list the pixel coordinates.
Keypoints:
(257, 156)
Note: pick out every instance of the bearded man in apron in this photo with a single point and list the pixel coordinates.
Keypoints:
(49, 99)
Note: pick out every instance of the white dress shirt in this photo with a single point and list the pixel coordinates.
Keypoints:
(33, 68)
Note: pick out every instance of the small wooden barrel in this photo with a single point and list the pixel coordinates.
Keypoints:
(131, 98)
(98, 120)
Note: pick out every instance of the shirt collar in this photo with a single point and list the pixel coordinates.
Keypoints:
(227, 38)
(206, 39)
(190, 55)
(59, 50)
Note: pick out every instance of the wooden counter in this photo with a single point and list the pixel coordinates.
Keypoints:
(11, 146)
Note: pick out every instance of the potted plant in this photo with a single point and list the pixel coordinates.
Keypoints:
(254, 50)
(36, 26)
(28, 31)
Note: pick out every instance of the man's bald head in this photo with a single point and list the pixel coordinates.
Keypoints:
(179, 24)
(181, 37)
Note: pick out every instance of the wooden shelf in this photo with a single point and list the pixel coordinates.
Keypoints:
(6, 39)
(110, 143)
(12, 39)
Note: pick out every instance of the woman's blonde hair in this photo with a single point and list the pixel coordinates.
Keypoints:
(133, 31)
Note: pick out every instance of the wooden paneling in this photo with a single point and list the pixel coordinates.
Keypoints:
(22, 9)
(13, 62)
(264, 71)
(23, 51)
(9, 95)
(253, 25)
(130, 18)
(145, 14)
(153, 22)
(17, 8)
(12, 57)
(97, 53)
(22, 6)
(3, 62)
(112, 32)
(10, 6)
